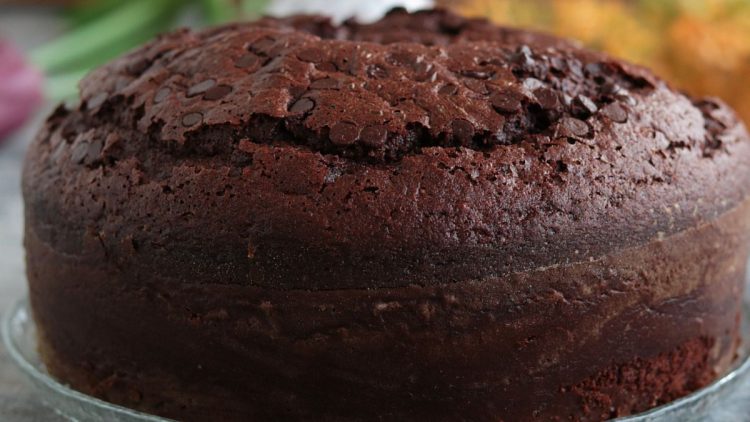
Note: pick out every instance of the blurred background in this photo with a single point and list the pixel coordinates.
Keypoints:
(46, 46)
(701, 46)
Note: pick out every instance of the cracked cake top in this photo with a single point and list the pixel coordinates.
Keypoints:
(421, 144)
(369, 92)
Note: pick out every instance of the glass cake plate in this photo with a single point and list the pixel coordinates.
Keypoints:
(728, 398)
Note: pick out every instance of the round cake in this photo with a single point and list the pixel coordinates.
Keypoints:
(423, 218)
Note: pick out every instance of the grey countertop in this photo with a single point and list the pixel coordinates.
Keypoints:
(26, 27)
(17, 401)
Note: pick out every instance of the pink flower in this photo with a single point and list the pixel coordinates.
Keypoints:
(20, 89)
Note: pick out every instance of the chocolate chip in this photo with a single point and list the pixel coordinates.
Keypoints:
(325, 83)
(463, 131)
(303, 105)
(201, 87)
(248, 60)
(583, 106)
(615, 112)
(593, 69)
(567, 100)
(79, 152)
(557, 63)
(570, 126)
(161, 95)
(138, 67)
(87, 153)
(476, 74)
(532, 84)
(524, 50)
(422, 71)
(449, 89)
(506, 100)
(93, 152)
(523, 56)
(326, 67)
(111, 143)
(374, 136)
(615, 91)
(311, 55)
(477, 86)
(575, 68)
(97, 100)
(376, 71)
(121, 84)
(262, 45)
(344, 133)
(217, 92)
(610, 88)
(191, 119)
(547, 98)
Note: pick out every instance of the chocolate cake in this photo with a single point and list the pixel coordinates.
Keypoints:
(423, 218)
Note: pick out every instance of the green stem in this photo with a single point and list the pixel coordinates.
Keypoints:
(86, 11)
(117, 48)
(219, 11)
(95, 38)
(222, 11)
(62, 87)
(253, 8)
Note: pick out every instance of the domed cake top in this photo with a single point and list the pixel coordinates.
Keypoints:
(390, 145)
(372, 92)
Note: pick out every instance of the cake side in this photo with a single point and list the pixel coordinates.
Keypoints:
(585, 341)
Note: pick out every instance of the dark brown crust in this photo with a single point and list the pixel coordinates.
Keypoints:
(328, 226)
(409, 210)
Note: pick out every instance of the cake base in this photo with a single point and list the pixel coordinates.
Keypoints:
(585, 341)
(720, 401)
(623, 389)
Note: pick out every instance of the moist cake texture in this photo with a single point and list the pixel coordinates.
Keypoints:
(427, 217)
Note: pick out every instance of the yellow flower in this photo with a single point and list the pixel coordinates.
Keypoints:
(699, 45)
